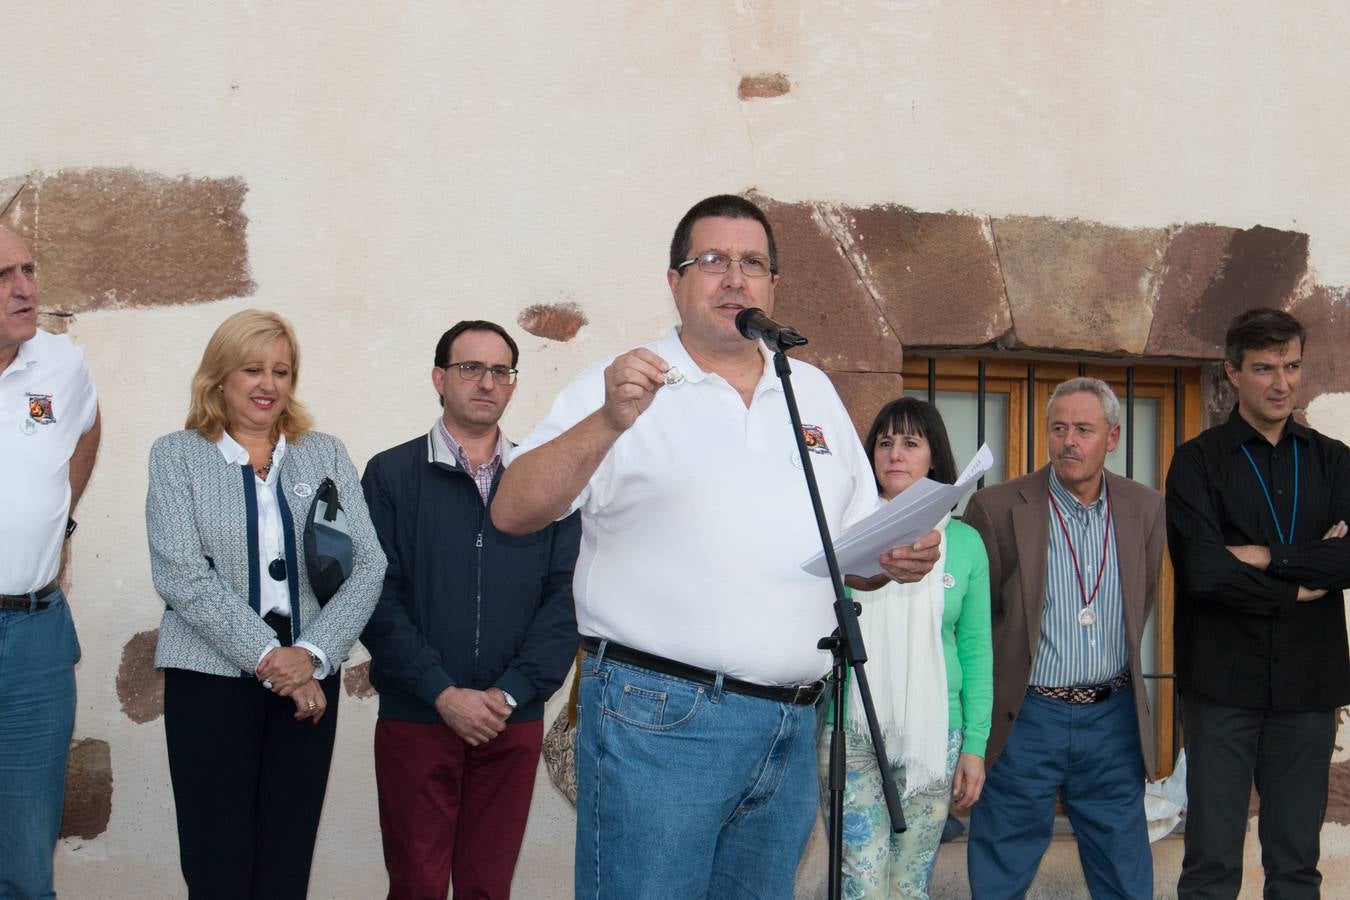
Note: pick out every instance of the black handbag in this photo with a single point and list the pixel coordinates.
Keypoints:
(328, 543)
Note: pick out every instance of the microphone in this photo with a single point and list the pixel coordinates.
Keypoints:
(755, 326)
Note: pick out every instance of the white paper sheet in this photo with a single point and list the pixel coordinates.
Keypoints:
(908, 516)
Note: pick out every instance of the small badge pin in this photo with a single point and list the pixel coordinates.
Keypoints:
(948, 580)
(814, 436)
(673, 375)
(40, 409)
(302, 489)
(28, 426)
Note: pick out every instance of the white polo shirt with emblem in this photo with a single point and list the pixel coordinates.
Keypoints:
(47, 403)
(696, 522)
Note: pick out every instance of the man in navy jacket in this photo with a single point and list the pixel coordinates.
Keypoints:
(474, 631)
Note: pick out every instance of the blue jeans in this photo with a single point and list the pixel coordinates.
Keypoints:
(688, 791)
(1090, 753)
(38, 652)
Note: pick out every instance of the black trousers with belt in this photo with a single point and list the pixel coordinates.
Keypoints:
(248, 784)
(1288, 757)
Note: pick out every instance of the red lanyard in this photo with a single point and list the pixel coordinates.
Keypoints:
(1106, 536)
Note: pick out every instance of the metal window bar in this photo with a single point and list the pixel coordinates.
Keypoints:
(979, 413)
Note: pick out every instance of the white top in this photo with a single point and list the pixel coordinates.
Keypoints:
(273, 595)
(47, 403)
(695, 524)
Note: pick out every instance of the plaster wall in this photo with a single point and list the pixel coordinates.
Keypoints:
(410, 164)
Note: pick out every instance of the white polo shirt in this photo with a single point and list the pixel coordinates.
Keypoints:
(47, 403)
(696, 521)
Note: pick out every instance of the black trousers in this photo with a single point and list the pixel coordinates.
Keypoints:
(1288, 755)
(248, 784)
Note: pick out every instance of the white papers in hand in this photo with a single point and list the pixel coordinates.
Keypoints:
(908, 516)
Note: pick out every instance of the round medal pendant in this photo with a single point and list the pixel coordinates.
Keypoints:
(1087, 616)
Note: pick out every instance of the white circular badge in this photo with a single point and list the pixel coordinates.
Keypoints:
(302, 490)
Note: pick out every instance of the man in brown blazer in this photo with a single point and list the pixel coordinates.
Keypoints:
(1074, 558)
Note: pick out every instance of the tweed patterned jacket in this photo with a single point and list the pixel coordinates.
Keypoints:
(200, 530)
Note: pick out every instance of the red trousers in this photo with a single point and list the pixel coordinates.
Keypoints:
(452, 811)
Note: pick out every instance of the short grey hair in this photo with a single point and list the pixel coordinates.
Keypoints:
(1106, 396)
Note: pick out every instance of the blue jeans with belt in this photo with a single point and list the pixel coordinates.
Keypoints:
(1090, 754)
(687, 790)
(38, 653)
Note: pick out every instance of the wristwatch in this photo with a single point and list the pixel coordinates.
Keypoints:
(510, 701)
(315, 662)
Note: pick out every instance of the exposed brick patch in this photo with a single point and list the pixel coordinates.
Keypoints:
(864, 393)
(1338, 793)
(54, 323)
(1194, 255)
(1261, 267)
(356, 681)
(1212, 273)
(89, 787)
(821, 295)
(1325, 313)
(555, 321)
(936, 276)
(1076, 285)
(140, 688)
(768, 84)
(9, 192)
(110, 238)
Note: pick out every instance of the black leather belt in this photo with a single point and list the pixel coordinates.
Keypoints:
(22, 603)
(801, 695)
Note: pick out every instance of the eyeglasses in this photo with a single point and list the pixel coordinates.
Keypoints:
(715, 263)
(474, 371)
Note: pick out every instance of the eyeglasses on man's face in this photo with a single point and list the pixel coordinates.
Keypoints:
(473, 370)
(714, 262)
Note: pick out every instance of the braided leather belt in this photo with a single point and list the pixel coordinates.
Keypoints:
(1088, 694)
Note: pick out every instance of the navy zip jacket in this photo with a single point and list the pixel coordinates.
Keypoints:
(463, 604)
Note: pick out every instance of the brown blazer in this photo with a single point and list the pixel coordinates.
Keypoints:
(1014, 519)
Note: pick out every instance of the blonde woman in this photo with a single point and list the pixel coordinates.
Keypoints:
(250, 658)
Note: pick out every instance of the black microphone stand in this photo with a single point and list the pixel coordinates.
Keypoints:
(846, 644)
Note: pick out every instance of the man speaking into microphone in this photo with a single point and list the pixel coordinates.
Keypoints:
(696, 742)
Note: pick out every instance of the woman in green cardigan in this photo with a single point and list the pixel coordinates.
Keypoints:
(930, 666)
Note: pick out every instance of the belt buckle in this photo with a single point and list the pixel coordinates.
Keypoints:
(802, 690)
(1103, 692)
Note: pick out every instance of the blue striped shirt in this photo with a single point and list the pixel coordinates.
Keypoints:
(1071, 654)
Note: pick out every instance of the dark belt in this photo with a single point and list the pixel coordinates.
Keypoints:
(1095, 693)
(23, 603)
(802, 695)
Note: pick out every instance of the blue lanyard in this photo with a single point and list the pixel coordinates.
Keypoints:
(1293, 516)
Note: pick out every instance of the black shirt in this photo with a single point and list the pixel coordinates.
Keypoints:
(1241, 636)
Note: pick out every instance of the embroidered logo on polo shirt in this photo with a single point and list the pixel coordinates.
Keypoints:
(815, 439)
(40, 409)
